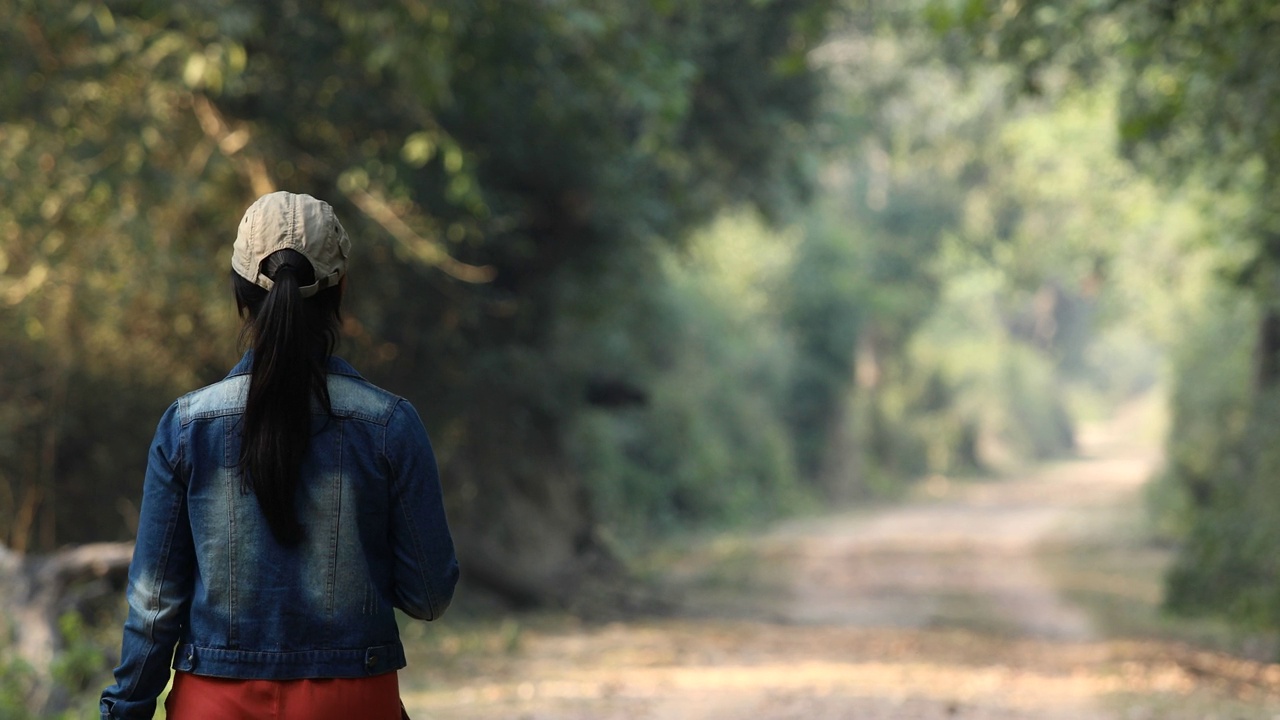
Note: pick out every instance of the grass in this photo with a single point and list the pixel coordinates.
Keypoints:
(1113, 567)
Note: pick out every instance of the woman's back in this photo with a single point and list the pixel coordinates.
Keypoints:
(287, 510)
(334, 591)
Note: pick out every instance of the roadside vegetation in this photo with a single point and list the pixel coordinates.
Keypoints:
(656, 269)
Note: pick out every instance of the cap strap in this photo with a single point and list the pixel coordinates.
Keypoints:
(323, 283)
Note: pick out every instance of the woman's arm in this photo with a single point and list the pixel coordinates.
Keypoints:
(426, 569)
(160, 579)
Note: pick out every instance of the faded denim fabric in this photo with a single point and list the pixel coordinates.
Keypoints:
(208, 578)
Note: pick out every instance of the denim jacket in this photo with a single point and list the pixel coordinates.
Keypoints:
(208, 579)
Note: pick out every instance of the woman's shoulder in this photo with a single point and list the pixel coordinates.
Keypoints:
(350, 395)
(225, 397)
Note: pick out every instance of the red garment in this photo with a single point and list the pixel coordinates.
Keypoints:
(196, 697)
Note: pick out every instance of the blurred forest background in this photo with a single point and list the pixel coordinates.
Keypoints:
(649, 267)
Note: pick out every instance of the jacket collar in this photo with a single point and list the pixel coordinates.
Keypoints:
(337, 366)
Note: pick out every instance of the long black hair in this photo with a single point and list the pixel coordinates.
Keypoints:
(292, 338)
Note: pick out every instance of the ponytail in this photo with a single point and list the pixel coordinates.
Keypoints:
(292, 340)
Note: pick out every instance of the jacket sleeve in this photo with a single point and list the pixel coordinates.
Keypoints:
(426, 568)
(160, 580)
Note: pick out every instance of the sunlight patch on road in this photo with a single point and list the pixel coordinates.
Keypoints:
(997, 685)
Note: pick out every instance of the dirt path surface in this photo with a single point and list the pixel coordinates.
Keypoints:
(939, 608)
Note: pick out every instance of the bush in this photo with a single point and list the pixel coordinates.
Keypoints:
(68, 689)
(1221, 488)
(709, 443)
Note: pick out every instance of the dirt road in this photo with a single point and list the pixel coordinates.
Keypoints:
(939, 608)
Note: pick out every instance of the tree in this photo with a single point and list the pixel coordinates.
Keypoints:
(1202, 91)
(490, 158)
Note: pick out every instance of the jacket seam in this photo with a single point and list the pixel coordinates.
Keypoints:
(336, 533)
(158, 582)
(419, 555)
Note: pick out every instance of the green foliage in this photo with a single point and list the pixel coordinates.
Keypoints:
(1198, 107)
(17, 678)
(1005, 392)
(709, 444)
(826, 314)
(105, 278)
(511, 173)
(967, 259)
(79, 665)
(1199, 91)
(862, 284)
(72, 682)
(528, 186)
(1217, 503)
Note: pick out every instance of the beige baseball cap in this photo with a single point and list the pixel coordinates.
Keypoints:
(283, 220)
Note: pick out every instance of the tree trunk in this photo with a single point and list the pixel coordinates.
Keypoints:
(1268, 352)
